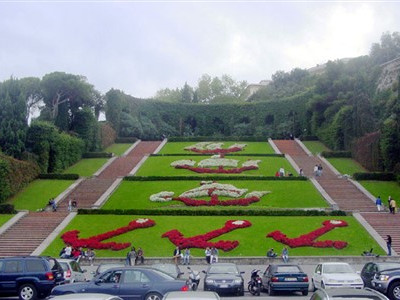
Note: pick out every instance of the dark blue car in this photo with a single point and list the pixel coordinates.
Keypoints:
(128, 283)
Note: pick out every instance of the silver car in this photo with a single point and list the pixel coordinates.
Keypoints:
(191, 295)
(72, 270)
(86, 297)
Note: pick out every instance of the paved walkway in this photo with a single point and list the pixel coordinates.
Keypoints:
(32, 229)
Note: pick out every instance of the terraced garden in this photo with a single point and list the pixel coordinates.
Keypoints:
(86, 167)
(118, 149)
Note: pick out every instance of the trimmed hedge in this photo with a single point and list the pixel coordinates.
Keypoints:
(231, 154)
(212, 178)
(97, 155)
(6, 208)
(216, 139)
(59, 176)
(125, 140)
(205, 212)
(310, 138)
(329, 154)
(375, 176)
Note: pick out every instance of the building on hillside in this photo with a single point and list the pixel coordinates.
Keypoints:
(390, 74)
(252, 88)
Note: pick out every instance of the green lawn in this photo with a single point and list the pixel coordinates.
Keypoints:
(160, 166)
(346, 165)
(383, 189)
(284, 194)
(38, 192)
(315, 147)
(86, 167)
(5, 218)
(118, 149)
(252, 147)
(253, 241)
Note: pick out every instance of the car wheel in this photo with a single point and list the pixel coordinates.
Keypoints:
(270, 291)
(304, 293)
(394, 291)
(27, 292)
(153, 296)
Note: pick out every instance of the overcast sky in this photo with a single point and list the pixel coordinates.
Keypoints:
(141, 47)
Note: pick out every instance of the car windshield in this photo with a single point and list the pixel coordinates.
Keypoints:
(338, 268)
(64, 266)
(223, 270)
(103, 268)
(288, 269)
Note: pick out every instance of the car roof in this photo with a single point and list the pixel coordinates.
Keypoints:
(334, 263)
(66, 260)
(85, 296)
(223, 264)
(198, 295)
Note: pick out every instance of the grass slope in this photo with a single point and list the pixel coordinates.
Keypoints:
(86, 167)
(253, 241)
(38, 192)
(315, 147)
(284, 194)
(5, 218)
(383, 189)
(160, 166)
(117, 149)
(252, 147)
(346, 165)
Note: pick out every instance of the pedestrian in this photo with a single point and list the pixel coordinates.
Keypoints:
(394, 206)
(319, 170)
(389, 244)
(177, 255)
(301, 172)
(281, 172)
(186, 256)
(378, 203)
(70, 204)
(139, 256)
(207, 252)
(315, 170)
(285, 255)
(214, 255)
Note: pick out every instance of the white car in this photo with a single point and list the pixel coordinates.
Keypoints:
(72, 270)
(335, 275)
(78, 296)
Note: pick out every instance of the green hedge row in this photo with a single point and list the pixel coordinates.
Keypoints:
(329, 154)
(375, 176)
(241, 154)
(205, 212)
(59, 176)
(7, 209)
(216, 139)
(125, 140)
(309, 138)
(97, 155)
(215, 178)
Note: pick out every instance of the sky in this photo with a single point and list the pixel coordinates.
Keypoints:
(141, 47)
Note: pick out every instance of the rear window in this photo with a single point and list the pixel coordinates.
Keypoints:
(13, 266)
(35, 265)
(75, 267)
(64, 266)
(54, 265)
(288, 269)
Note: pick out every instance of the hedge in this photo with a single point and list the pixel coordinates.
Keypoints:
(97, 155)
(375, 176)
(216, 139)
(125, 140)
(231, 154)
(59, 176)
(6, 208)
(213, 178)
(107, 135)
(329, 154)
(205, 212)
(309, 138)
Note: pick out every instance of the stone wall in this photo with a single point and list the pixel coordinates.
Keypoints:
(389, 75)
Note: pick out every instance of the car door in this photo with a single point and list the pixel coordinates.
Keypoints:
(135, 285)
(317, 276)
(78, 274)
(108, 283)
(367, 273)
(12, 269)
(266, 276)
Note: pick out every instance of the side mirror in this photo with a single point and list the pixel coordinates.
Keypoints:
(204, 272)
(319, 272)
(242, 272)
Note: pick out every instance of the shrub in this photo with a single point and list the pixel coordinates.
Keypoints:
(232, 154)
(375, 176)
(97, 155)
(6, 208)
(209, 178)
(126, 140)
(107, 135)
(329, 154)
(309, 138)
(59, 176)
(216, 138)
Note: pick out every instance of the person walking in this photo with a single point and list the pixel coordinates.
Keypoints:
(285, 255)
(186, 256)
(378, 203)
(207, 252)
(177, 255)
(389, 244)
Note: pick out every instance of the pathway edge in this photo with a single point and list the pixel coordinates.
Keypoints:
(103, 167)
(12, 221)
(330, 166)
(324, 194)
(68, 190)
(305, 149)
(130, 148)
(160, 146)
(103, 198)
(276, 149)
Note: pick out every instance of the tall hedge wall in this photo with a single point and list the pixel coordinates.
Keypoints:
(366, 151)
(107, 135)
(14, 175)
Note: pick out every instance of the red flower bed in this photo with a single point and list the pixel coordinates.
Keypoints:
(203, 240)
(215, 201)
(216, 151)
(95, 242)
(220, 169)
(308, 240)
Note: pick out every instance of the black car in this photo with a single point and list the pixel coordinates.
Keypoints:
(370, 269)
(285, 278)
(171, 269)
(347, 293)
(128, 283)
(29, 277)
(224, 278)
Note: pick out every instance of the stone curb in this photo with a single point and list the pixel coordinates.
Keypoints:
(108, 162)
(12, 221)
(52, 236)
(68, 190)
(140, 163)
(372, 232)
(324, 194)
(130, 148)
(160, 146)
(271, 142)
(103, 198)
(363, 190)
(329, 165)
(305, 149)
(293, 163)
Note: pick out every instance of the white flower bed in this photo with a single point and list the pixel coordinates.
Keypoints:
(162, 197)
(257, 194)
(212, 146)
(183, 162)
(216, 162)
(241, 146)
(251, 163)
(227, 190)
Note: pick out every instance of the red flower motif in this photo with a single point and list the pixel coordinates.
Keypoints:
(216, 202)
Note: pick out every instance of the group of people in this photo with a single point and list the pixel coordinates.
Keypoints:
(284, 255)
(134, 257)
(72, 204)
(77, 253)
(281, 173)
(392, 205)
(211, 255)
(318, 170)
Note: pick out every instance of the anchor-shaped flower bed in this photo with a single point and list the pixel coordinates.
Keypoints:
(214, 148)
(203, 240)
(96, 242)
(213, 190)
(309, 239)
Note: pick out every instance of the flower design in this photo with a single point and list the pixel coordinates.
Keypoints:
(214, 148)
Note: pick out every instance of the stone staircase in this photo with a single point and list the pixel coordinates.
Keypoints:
(32, 229)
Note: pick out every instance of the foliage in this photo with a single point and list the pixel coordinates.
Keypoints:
(7, 209)
(387, 49)
(125, 140)
(374, 176)
(329, 154)
(87, 128)
(367, 152)
(214, 177)
(59, 176)
(390, 142)
(97, 155)
(107, 135)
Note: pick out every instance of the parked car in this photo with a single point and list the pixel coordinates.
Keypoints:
(335, 275)
(29, 277)
(388, 283)
(72, 270)
(224, 278)
(370, 269)
(348, 293)
(191, 295)
(104, 267)
(87, 296)
(171, 269)
(285, 278)
(128, 283)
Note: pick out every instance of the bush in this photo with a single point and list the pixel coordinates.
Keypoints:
(214, 178)
(97, 155)
(126, 140)
(216, 139)
(310, 138)
(7, 209)
(375, 176)
(59, 176)
(232, 154)
(107, 135)
(329, 154)
(208, 212)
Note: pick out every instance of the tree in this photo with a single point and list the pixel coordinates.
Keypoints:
(187, 94)
(169, 95)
